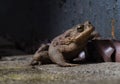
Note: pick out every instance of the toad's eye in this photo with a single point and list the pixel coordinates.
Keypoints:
(80, 28)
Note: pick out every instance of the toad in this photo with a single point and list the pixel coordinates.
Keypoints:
(65, 47)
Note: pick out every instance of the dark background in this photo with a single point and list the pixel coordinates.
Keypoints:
(28, 23)
(24, 20)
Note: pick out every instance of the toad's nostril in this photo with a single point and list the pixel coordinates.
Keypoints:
(87, 23)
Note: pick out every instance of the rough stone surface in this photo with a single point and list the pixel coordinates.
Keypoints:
(18, 72)
(99, 12)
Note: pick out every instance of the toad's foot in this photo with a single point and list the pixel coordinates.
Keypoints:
(34, 62)
(68, 65)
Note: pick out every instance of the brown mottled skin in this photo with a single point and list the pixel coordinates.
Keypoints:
(65, 47)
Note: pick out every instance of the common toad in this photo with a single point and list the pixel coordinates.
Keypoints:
(65, 47)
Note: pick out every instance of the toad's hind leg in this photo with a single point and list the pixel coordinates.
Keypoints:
(36, 59)
(58, 58)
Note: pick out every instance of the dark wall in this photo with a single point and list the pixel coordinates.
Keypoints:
(41, 19)
(31, 21)
(24, 20)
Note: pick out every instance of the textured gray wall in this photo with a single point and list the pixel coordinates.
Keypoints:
(30, 20)
(66, 13)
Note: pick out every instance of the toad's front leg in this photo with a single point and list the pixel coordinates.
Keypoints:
(57, 57)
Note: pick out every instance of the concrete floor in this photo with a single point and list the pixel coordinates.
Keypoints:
(16, 70)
